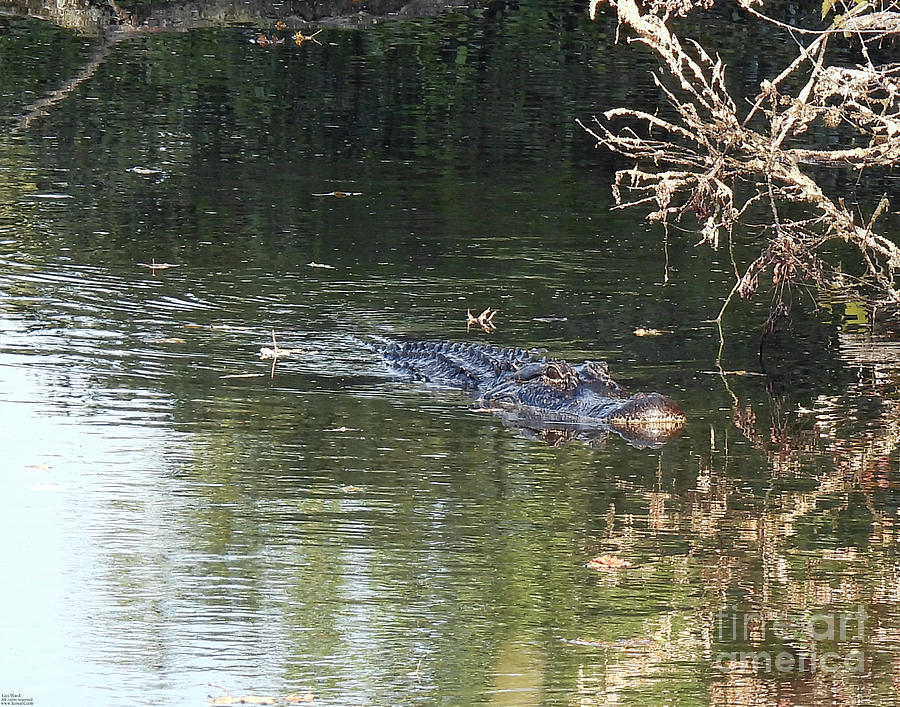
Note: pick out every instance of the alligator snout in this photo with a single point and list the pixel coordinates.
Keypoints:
(648, 409)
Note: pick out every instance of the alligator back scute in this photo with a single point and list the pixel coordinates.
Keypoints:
(458, 365)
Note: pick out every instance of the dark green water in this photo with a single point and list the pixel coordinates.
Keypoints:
(324, 527)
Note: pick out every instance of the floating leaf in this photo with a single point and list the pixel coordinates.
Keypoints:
(264, 41)
(485, 320)
(608, 562)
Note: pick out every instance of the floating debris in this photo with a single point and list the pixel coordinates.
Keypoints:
(267, 354)
(221, 327)
(276, 352)
(171, 340)
(586, 642)
(144, 170)
(547, 320)
(731, 373)
(641, 331)
(153, 265)
(608, 562)
(339, 194)
(242, 375)
(485, 320)
(229, 699)
(324, 266)
(300, 39)
(264, 41)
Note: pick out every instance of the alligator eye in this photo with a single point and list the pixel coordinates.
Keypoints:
(560, 375)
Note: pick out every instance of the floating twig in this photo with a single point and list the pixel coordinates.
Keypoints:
(641, 331)
(153, 265)
(731, 373)
(300, 39)
(275, 353)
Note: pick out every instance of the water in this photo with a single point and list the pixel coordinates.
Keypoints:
(178, 512)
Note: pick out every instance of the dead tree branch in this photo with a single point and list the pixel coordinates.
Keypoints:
(691, 159)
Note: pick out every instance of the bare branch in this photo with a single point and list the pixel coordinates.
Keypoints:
(691, 164)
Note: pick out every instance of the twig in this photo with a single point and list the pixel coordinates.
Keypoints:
(275, 353)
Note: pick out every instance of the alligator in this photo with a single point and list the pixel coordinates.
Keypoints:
(557, 399)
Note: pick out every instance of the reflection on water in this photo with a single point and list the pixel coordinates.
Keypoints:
(325, 527)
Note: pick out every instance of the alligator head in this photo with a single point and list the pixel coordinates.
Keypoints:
(558, 392)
